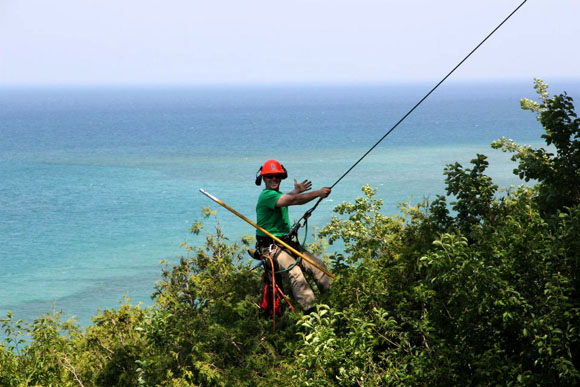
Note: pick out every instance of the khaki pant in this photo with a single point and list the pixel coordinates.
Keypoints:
(301, 290)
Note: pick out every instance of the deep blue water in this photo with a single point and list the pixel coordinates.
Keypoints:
(98, 184)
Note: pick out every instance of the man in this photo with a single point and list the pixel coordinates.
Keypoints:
(272, 215)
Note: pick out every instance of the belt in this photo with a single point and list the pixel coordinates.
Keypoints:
(265, 241)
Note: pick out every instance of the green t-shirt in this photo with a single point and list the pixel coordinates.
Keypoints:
(271, 218)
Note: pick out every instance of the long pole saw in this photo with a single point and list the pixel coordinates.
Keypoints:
(281, 242)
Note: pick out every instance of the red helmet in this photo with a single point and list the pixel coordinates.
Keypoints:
(271, 167)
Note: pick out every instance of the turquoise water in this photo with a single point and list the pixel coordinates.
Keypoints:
(98, 185)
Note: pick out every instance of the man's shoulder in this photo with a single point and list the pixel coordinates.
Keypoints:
(268, 198)
(269, 193)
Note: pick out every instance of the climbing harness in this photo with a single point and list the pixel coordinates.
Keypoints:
(307, 214)
(272, 293)
(275, 290)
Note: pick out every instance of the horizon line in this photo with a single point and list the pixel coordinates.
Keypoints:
(219, 84)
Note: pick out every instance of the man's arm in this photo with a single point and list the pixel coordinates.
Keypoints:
(293, 199)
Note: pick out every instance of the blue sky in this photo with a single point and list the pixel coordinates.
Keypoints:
(269, 41)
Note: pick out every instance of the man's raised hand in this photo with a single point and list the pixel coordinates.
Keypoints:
(302, 187)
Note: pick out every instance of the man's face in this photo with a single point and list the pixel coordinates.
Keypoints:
(272, 182)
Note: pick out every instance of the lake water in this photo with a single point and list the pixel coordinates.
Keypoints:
(99, 184)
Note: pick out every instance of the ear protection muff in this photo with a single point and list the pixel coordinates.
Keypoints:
(285, 174)
(259, 176)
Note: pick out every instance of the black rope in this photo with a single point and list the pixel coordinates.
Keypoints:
(309, 212)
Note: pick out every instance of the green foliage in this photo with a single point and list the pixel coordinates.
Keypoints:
(369, 233)
(484, 294)
(559, 173)
(48, 359)
(474, 192)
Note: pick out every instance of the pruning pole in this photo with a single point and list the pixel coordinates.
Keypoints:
(278, 240)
